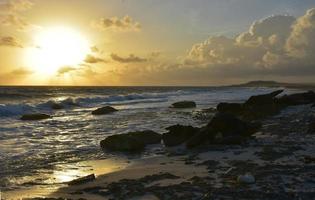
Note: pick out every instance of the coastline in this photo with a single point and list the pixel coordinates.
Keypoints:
(279, 156)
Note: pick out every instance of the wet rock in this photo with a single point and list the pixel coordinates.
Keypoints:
(147, 137)
(36, 116)
(82, 180)
(229, 125)
(133, 141)
(104, 110)
(263, 99)
(178, 134)
(225, 129)
(236, 108)
(184, 104)
(123, 142)
(297, 99)
(246, 179)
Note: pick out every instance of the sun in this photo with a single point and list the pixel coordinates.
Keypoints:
(57, 47)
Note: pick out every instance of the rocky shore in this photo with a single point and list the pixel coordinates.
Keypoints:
(260, 149)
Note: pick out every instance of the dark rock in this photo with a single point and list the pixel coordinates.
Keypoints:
(230, 140)
(104, 110)
(263, 99)
(230, 107)
(57, 106)
(147, 137)
(184, 104)
(133, 141)
(229, 125)
(297, 99)
(123, 142)
(204, 135)
(36, 116)
(223, 129)
(178, 134)
(82, 180)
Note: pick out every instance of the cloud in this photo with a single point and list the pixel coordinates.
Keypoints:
(278, 45)
(93, 59)
(10, 41)
(21, 72)
(65, 70)
(10, 13)
(95, 49)
(301, 43)
(130, 59)
(114, 23)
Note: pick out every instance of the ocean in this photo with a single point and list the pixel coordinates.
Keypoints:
(30, 151)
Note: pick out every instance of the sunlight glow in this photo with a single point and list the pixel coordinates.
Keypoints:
(56, 48)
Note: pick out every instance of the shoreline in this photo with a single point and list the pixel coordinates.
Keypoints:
(278, 157)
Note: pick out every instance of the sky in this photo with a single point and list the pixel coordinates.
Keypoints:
(156, 42)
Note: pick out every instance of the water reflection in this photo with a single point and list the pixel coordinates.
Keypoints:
(62, 174)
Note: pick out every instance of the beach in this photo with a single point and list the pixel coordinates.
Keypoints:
(279, 156)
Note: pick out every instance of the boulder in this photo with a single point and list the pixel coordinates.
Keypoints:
(224, 129)
(263, 99)
(132, 141)
(104, 110)
(35, 116)
(235, 108)
(203, 136)
(123, 142)
(297, 99)
(229, 125)
(184, 104)
(178, 134)
(147, 137)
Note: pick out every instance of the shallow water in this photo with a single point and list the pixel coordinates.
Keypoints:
(29, 150)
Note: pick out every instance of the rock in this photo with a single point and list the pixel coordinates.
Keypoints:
(36, 116)
(57, 106)
(147, 137)
(201, 137)
(184, 104)
(224, 129)
(230, 107)
(122, 142)
(178, 134)
(246, 179)
(104, 110)
(229, 125)
(263, 99)
(297, 99)
(132, 141)
(82, 180)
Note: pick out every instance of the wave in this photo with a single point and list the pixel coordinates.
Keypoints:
(131, 98)
(7, 110)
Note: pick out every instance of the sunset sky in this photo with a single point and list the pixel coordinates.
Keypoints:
(156, 42)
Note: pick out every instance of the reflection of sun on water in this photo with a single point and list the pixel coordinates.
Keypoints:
(55, 48)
